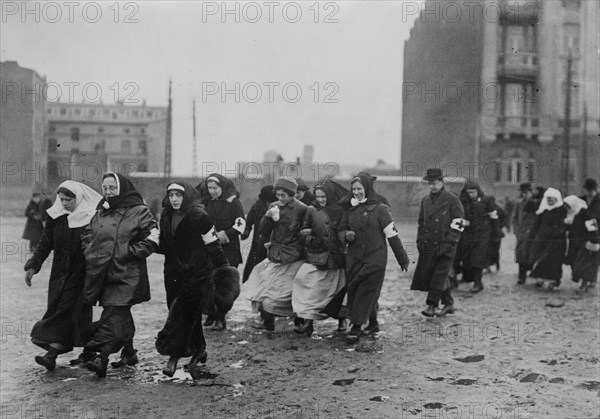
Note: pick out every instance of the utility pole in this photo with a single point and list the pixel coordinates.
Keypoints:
(584, 160)
(167, 171)
(567, 129)
(194, 149)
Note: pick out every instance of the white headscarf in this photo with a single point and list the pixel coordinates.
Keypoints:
(550, 193)
(575, 205)
(86, 200)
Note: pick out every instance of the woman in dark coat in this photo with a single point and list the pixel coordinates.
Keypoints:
(481, 221)
(258, 252)
(120, 237)
(192, 252)
(493, 249)
(365, 227)
(322, 275)
(67, 320)
(269, 287)
(584, 238)
(227, 213)
(34, 226)
(548, 239)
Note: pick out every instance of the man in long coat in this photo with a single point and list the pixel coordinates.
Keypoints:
(440, 226)
(523, 221)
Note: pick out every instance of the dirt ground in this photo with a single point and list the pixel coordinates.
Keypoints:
(509, 352)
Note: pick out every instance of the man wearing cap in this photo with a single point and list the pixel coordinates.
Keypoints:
(523, 222)
(591, 197)
(303, 193)
(441, 222)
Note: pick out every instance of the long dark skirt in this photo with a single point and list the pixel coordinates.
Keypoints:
(364, 288)
(182, 334)
(549, 257)
(585, 266)
(67, 321)
(257, 254)
(493, 251)
(113, 331)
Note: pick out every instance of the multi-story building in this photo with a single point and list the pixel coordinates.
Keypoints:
(22, 125)
(85, 139)
(485, 89)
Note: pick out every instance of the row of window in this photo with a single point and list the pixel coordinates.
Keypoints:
(54, 145)
(107, 113)
(75, 131)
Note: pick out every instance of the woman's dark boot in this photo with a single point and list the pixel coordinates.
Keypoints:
(209, 320)
(354, 334)
(48, 360)
(219, 324)
(307, 328)
(342, 325)
(195, 360)
(128, 357)
(299, 325)
(98, 365)
(86, 356)
(171, 367)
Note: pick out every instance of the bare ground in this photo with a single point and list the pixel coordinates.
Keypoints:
(509, 352)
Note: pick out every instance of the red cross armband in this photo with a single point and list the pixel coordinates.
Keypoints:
(493, 215)
(239, 224)
(591, 225)
(390, 230)
(458, 224)
(210, 236)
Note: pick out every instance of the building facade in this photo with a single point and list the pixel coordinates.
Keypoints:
(22, 126)
(84, 140)
(485, 91)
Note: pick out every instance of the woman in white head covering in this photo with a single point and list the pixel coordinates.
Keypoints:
(67, 319)
(549, 241)
(584, 242)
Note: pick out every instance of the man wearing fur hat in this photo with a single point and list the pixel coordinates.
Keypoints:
(440, 226)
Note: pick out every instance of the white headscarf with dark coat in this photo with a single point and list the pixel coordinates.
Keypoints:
(86, 200)
(550, 193)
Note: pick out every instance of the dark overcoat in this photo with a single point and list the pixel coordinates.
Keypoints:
(366, 258)
(523, 222)
(116, 249)
(228, 216)
(473, 245)
(440, 226)
(284, 234)
(66, 320)
(34, 226)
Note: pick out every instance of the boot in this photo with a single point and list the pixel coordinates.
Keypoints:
(372, 328)
(342, 324)
(477, 287)
(98, 365)
(171, 367)
(209, 320)
(354, 334)
(429, 311)
(83, 358)
(48, 360)
(307, 328)
(267, 324)
(299, 325)
(219, 324)
(198, 358)
(128, 357)
(448, 309)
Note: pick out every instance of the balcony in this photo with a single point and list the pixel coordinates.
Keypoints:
(520, 65)
(526, 125)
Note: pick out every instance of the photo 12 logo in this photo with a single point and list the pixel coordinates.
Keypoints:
(269, 91)
(269, 11)
(69, 11)
(71, 92)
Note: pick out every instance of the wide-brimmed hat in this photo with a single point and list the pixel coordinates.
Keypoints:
(433, 174)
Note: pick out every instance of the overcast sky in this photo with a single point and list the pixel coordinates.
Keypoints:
(343, 77)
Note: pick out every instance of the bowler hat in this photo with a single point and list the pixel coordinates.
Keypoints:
(524, 187)
(433, 174)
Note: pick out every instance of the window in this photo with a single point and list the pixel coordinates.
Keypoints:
(51, 127)
(63, 111)
(143, 147)
(126, 130)
(75, 133)
(101, 130)
(125, 146)
(105, 112)
(52, 145)
(515, 170)
(92, 112)
(77, 111)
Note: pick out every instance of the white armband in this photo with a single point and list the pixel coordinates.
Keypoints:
(591, 225)
(390, 230)
(210, 236)
(458, 224)
(239, 224)
(493, 215)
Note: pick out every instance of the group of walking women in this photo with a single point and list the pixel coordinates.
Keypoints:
(552, 232)
(327, 259)
(100, 246)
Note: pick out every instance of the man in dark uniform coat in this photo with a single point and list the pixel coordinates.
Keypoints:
(440, 226)
(591, 197)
